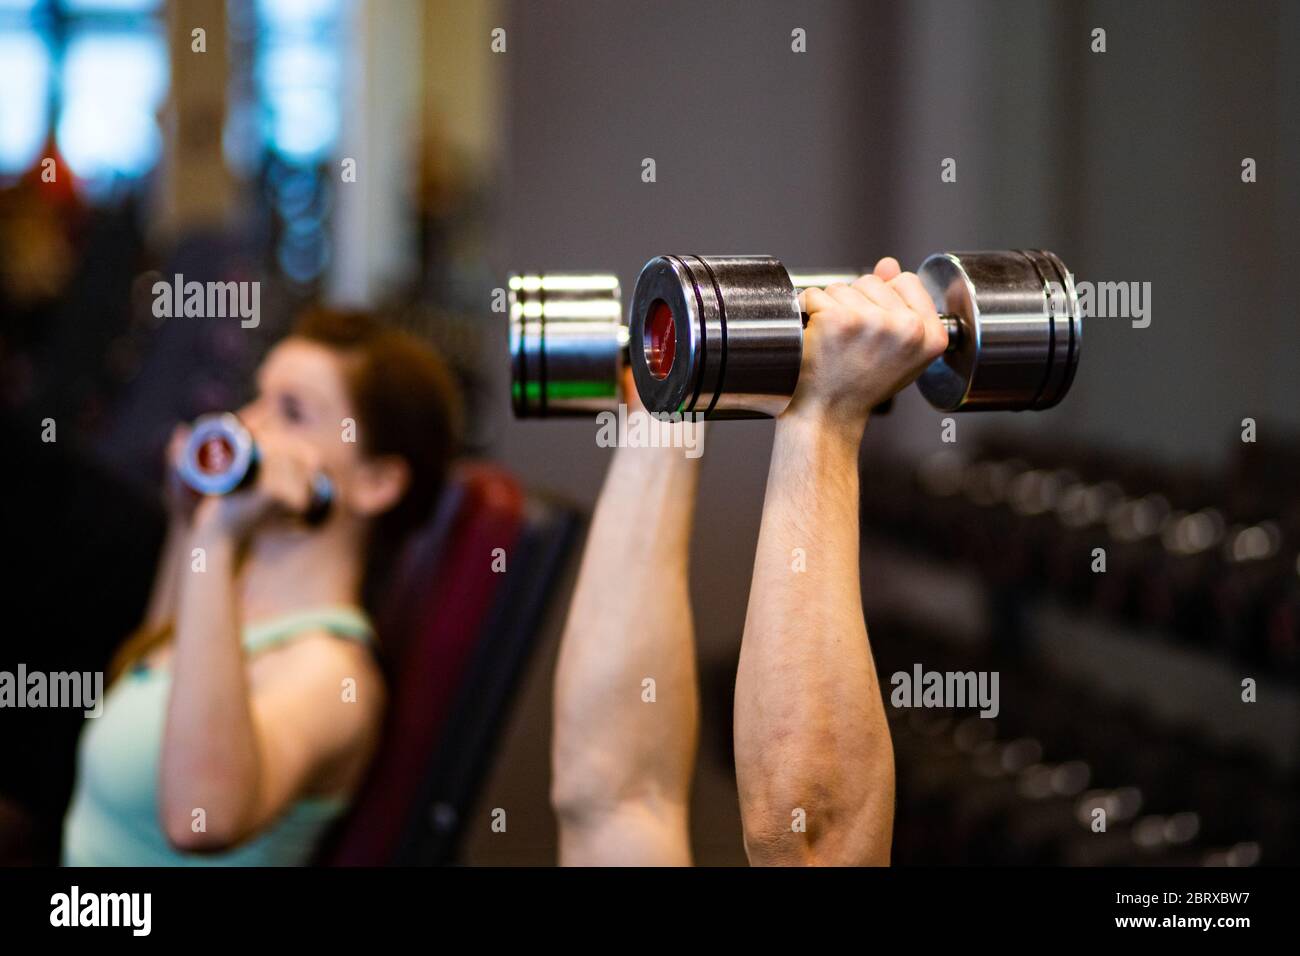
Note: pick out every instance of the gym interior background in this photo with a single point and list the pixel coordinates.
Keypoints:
(1121, 689)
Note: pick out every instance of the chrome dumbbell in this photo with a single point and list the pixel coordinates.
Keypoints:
(568, 343)
(220, 456)
(723, 335)
(569, 340)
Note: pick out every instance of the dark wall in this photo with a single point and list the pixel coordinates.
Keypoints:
(1127, 164)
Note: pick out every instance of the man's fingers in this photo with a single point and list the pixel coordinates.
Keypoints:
(909, 287)
(813, 301)
(887, 268)
(878, 292)
(846, 296)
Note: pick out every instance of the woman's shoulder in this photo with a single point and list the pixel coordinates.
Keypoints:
(316, 651)
(316, 666)
(318, 654)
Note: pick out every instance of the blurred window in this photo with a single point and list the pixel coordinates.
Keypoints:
(112, 6)
(298, 76)
(284, 118)
(24, 96)
(113, 85)
(96, 72)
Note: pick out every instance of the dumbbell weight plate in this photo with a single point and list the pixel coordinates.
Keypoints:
(220, 457)
(715, 335)
(567, 343)
(720, 336)
(1020, 330)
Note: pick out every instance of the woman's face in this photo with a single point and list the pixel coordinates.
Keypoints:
(302, 395)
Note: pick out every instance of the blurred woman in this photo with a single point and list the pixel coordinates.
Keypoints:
(244, 712)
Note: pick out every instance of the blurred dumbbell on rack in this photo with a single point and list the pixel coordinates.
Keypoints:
(1176, 559)
(1066, 777)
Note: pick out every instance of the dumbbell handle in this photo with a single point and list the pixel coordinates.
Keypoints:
(820, 280)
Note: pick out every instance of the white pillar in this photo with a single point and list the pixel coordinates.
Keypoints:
(374, 222)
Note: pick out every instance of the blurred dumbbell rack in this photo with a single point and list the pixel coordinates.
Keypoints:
(1120, 690)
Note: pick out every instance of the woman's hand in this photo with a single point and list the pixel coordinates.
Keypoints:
(286, 468)
(179, 499)
(863, 343)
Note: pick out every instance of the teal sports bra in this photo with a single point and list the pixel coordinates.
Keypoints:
(113, 818)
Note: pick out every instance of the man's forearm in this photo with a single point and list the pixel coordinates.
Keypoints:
(814, 761)
(626, 709)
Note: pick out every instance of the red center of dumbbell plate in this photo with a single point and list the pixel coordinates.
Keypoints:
(216, 454)
(660, 340)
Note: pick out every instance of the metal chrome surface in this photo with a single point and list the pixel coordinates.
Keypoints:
(567, 343)
(1020, 330)
(1012, 316)
(821, 278)
(739, 335)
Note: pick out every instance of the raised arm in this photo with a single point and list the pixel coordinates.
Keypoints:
(814, 761)
(242, 751)
(179, 502)
(624, 748)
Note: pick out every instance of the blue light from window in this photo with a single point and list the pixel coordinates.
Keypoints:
(113, 84)
(297, 15)
(24, 99)
(300, 83)
(110, 6)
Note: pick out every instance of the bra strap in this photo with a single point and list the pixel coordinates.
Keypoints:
(346, 622)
